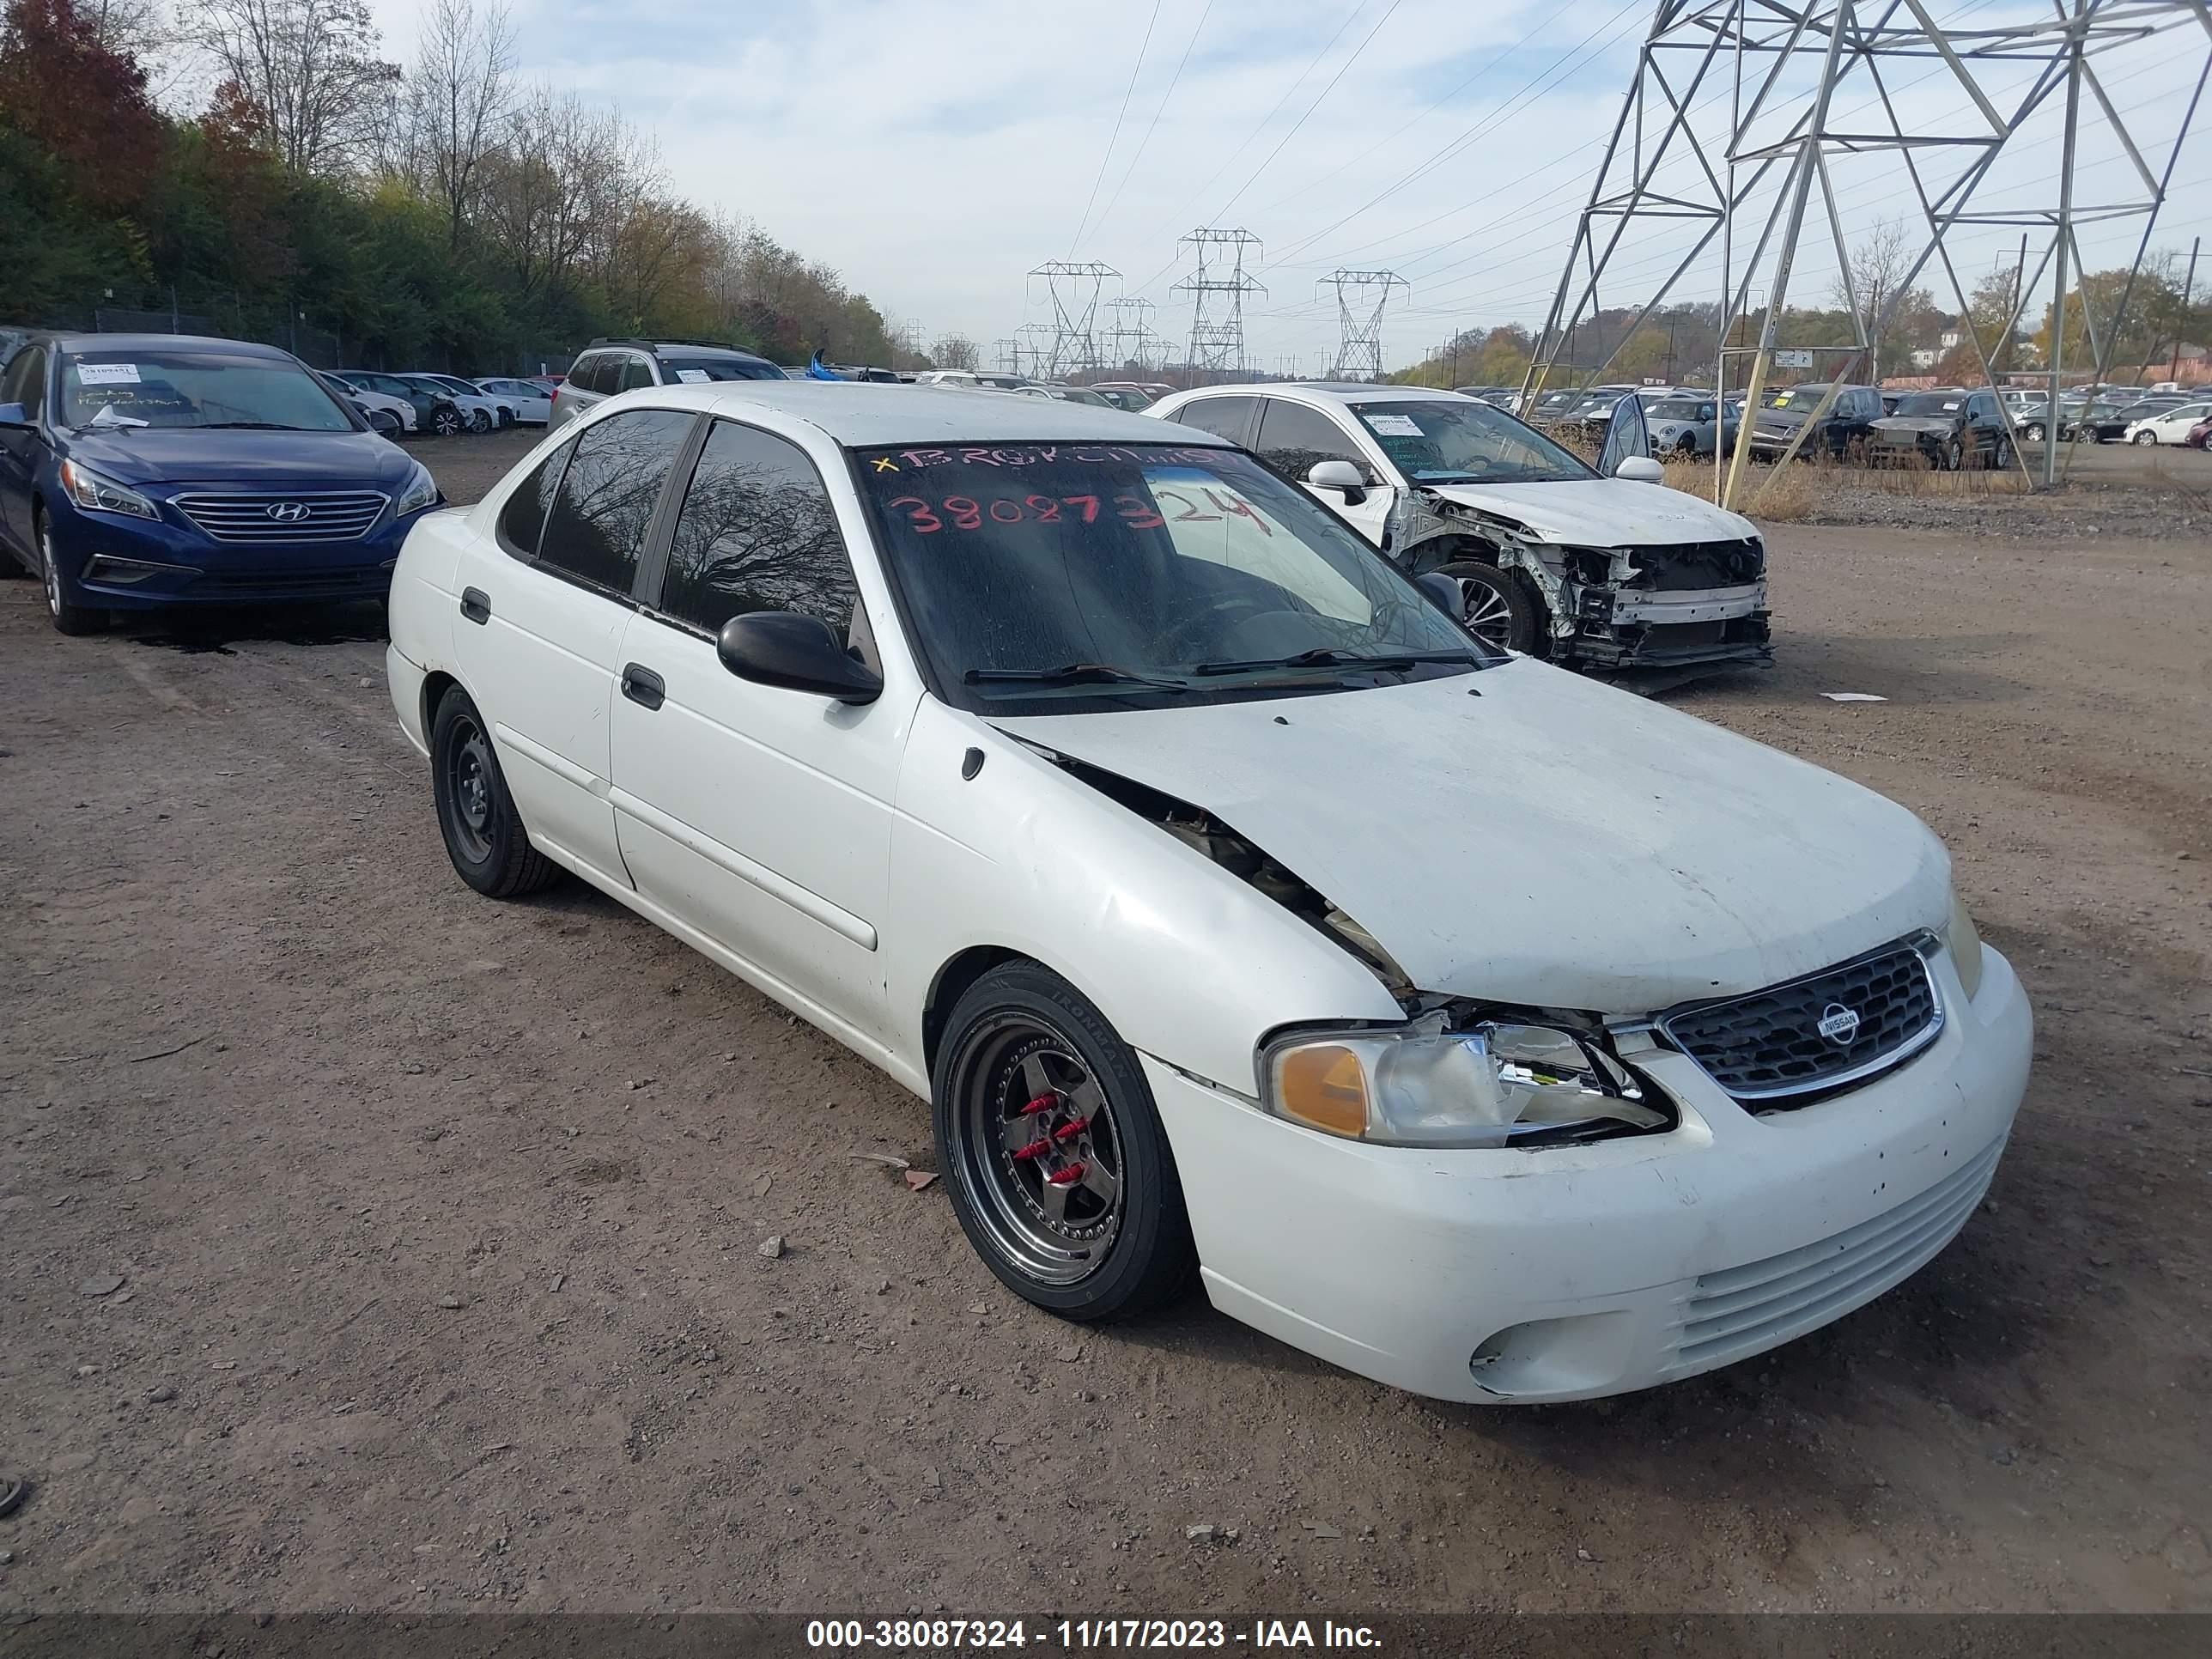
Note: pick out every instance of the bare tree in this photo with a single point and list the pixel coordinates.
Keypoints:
(458, 99)
(956, 351)
(1878, 264)
(556, 191)
(310, 66)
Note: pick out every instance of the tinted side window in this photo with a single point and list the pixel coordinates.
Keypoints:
(586, 376)
(1227, 418)
(635, 373)
(604, 506)
(522, 520)
(756, 532)
(1292, 438)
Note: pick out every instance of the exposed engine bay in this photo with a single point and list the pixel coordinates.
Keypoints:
(1656, 606)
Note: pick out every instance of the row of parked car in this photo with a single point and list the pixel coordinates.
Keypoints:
(1950, 428)
(397, 405)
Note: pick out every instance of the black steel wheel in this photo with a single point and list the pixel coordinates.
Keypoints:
(483, 832)
(1054, 1156)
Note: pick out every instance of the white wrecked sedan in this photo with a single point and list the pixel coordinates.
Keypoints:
(1487, 1031)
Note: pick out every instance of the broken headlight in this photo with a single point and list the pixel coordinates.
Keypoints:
(1435, 1082)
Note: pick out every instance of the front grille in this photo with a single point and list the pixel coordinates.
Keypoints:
(335, 516)
(1740, 1311)
(1879, 1009)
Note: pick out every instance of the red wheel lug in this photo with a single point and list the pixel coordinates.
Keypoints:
(1035, 1149)
(1066, 1177)
(1041, 1103)
(1069, 1131)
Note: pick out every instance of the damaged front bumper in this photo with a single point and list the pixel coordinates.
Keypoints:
(1632, 627)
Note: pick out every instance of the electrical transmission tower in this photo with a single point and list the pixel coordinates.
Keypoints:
(1006, 356)
(1135, 340)
(1217, 285)
(1074, 289)
(1034, 344)
(1741, 112)
(1359, 326)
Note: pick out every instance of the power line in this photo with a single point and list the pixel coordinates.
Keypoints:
(1310, 108)
(1106, 212)
(1114, 137)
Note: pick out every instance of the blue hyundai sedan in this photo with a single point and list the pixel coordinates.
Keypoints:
(139, 471)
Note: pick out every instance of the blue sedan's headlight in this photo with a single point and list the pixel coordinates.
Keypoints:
(95, 494)
(422, 491)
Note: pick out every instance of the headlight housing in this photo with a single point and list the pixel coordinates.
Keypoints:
(1475, 1081)
(95, 494)
(422, 491)
(1964, 942)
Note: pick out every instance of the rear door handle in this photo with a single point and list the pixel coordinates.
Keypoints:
(475, 605)
(642, 686)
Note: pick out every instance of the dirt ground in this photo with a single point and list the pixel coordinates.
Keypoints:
(367, 1244)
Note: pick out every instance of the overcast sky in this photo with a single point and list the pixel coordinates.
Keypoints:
(937, 150)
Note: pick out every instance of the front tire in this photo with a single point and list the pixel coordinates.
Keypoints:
(1054, 1158)
(69, 616)
(2033, 431)
(445, 422)
(483, 832)
(1497, 608)
(479, 421)
(2146, 438)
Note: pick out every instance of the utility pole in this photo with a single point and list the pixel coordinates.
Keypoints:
(2188, 297)
(1074, 289)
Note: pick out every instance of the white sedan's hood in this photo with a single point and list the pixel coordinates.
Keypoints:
(1550, 841)
(1604, 513)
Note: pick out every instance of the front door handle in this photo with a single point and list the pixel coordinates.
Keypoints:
(642, 686)
(475, 605)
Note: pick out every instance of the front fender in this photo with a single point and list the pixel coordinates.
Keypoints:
(1187, 962)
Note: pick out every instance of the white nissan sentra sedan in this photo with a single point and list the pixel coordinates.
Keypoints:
(1489, 1032)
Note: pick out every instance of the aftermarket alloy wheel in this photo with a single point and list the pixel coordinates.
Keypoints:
(2033, 431)
(69, 616)
(484, 834)
(1054, 1156)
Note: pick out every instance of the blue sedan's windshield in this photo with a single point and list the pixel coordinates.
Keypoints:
(171, 387)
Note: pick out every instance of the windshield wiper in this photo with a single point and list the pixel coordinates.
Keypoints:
(256, 426)
(1329, 657)
(1073, 674)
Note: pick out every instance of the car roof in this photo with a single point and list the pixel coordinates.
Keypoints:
(164, 342)
(859, 416)
(1336, 391)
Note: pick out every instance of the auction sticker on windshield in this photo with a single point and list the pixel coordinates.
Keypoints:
(1393, 426)
(107, 374)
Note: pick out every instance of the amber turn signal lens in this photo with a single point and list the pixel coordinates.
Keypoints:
(1323, 1088)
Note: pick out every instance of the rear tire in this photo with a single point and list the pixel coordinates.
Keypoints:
(1112, 1240)
(479, 421)
(483, 832)
(2146, 438)
(2033, 431)
(1497, 608)
(445, 422)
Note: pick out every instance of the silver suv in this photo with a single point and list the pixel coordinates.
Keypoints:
(607, 367)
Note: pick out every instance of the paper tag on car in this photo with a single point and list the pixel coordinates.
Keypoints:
(692, 376)
(1393, 426)
(107, 374)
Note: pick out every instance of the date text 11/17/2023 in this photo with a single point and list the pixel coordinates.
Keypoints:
(952, 1635)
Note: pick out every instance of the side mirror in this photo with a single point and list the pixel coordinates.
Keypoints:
(1339, 474)
(1641, 469)
(14, 415)
(796, 652)
(1443, 592)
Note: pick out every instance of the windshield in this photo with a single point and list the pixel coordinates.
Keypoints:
(1465, 442)
(695, 371)
(1679, 411)
(169, 387)
(1929, 403)
(1794, 396)
(1048, 578)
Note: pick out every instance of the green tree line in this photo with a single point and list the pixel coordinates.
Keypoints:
(441, 214)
